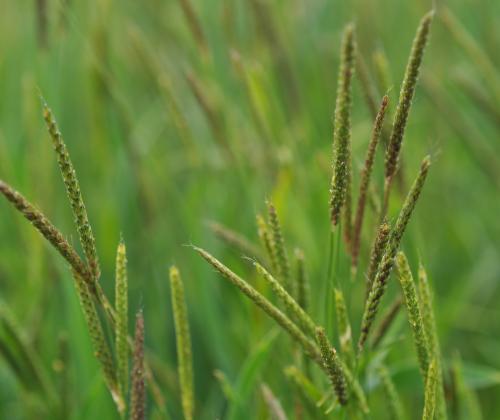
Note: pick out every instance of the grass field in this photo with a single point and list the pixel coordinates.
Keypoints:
(174, 121)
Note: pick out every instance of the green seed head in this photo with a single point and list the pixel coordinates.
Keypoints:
(406, 95)
(183, 341)
(342, 127)
(74, 193)
(138, 389)
(333, 366)
(413, 310)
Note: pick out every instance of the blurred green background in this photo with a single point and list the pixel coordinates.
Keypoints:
(167, 132)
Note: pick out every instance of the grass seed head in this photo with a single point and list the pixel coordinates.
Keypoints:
(293, 309)
(342, 127)
(183, 342)
(413, 310)
(121, 324)
(280, 254)
(47, 229)
(272, 311)
(332, 365)
(365, 179)
(430, 392)
(406, 95)
(138, 389)
(74, 193)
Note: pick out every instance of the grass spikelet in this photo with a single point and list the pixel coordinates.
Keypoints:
(280, 254)
(426, 306)
(365, 179)
(235, 240)
(368, 87)
(47, 229)
(283, 321)
(138, 389)
(225, 385)
(333, 366)
(382, 70)
(385, 267)
(270, 31)
(291, 305)
(42, 22)
(476, 54)
(479, 96)
(413, 310)
(74, 193)
(183, 341)
(376, 254)
(344, 328)
(430, 392)
(393, 400)
(303, 288)
(273, 404)
(347, 209)
(121, 320)
(386, 321)
(342, 127)
(306, 387)
(101, 348)
(465, 403)
(195, 27)
(267, 242)
(210, 110)
(406, 95)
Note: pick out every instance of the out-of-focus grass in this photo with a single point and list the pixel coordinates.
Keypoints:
(105, 71)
